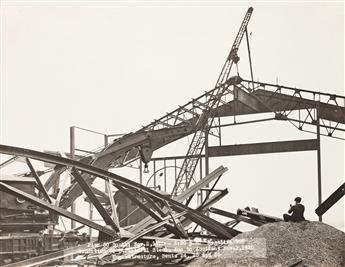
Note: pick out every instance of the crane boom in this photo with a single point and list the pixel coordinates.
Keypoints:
(232, 57)
(203, 124)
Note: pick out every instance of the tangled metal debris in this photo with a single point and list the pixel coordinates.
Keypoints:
(142, 223)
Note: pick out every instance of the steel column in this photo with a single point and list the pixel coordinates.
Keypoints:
(250, 59)
(72, 152)
(319, 182)
(140, 171)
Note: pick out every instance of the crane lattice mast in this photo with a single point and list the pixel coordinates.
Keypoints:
(204, 124)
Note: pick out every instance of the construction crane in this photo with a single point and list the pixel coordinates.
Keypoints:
(205, 121)
(190, 117)
(171, 127)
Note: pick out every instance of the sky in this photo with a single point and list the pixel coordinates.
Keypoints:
(113, 67)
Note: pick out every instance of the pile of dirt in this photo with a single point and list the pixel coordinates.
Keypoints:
(283, 244)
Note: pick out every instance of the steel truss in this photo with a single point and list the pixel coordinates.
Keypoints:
(195, 216)
(300, 107)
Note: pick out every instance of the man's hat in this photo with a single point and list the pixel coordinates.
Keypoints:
(298, 199)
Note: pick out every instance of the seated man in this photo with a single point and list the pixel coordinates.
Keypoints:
(297, 211)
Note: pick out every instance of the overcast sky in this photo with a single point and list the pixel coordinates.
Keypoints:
(113, 67)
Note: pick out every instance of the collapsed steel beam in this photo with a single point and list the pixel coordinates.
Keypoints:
(98, 192)
(112, 204)
(164, 221)
(205, 206)
(331, 200)
(209, 224)
(157, 217)
(39, 202)
(258, 216)
(235, 216)
(141, 205)
(153, 215)
(94, 200)
(9, 161)
(273, 102)
(184, 195)
(54, 177)
(128, 148)
(36, 261)
(38, 181)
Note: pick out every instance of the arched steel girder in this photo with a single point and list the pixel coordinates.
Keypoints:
(209, 224)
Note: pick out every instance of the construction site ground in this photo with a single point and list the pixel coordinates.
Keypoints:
(287, 244)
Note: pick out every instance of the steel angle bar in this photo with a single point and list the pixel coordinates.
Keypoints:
(9, 161)
(99, 192)
(141, 205)
(212, 200)
(232, 223)
(54, 177)
(210, 191)
(202, 183)
(50, 257)
(94, 200)
(112, 204)
(209, 224)
(235, 216)
(59, 194)
(153, 204)
(157, 216)
(205, 206)
(153, 227)
(35, 200)
(38, 181)
(258, 216)
(331, 200)
(181, 232)
(184, 195)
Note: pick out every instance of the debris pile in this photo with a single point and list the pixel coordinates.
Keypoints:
(286, 244)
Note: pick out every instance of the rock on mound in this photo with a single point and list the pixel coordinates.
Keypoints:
(285, 244)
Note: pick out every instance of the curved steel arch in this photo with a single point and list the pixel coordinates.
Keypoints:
(209, 224)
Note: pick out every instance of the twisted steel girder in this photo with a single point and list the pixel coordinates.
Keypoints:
(209, 224)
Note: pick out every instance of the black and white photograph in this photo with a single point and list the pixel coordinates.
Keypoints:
(172, 133)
